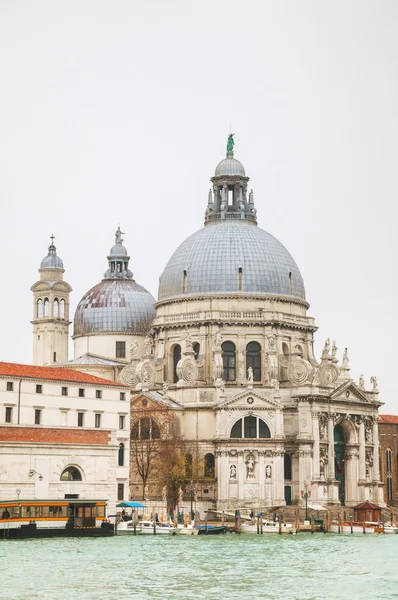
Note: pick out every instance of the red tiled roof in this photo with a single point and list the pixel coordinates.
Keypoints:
(367, 506)
(53, 373)
(393, 419)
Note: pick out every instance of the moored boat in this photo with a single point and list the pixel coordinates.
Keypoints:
(357, 527)
(148, 528)
(268, 527)
(21, 519)
(127, 528)
(211, 529)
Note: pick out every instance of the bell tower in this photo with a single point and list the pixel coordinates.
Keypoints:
(50, 311)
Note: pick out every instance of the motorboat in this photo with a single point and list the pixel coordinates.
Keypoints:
(187, 530)
(211, 529)
(357, 527)
(148, 528)
(127, 528)
(267, 527)
(390, 528)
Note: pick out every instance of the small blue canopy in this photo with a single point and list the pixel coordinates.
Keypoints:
(130, 505)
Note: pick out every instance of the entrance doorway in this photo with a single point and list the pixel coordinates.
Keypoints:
(339, 465)
(288, 495)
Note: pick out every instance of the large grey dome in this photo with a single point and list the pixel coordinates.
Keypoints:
(114, 305)
(230, 166)
(209, 262)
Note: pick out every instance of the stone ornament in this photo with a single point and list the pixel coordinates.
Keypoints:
(345, 362)
(146, 373)
(373, 381)
(328, 375)
(368, 462)
(250, 375)
(323, 425)
(368, 431)
(188, 342)
(133, 351)
(271, 342)
(148, 345)
(326, 350)
(128, 375)
(361, 382)
(187, 370)
(217, 340)
(268, 472)
(218, 368)
(232, 472)
(298, 371)
(316, 376)
(272, 367)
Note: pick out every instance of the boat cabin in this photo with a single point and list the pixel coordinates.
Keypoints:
(73, 512)
(368, 512)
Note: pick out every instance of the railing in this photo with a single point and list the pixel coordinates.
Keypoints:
(262, 316)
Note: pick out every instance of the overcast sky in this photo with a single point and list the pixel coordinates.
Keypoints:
(118, 112)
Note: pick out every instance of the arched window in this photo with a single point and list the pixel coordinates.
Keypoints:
(46, 307)
(196, 349)
(229, 361)
(145, 429)
(285, 349)
(39, 308)
(209, 466)
(120, 458)
(287, 460)
(253, 359)
(188, 466)
(56, 308)
(176, 360)
(71, 474)
(62, 309)
(388, 460)
(249, 428)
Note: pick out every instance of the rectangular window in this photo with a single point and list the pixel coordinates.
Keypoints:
(98, 393)
(98, 420)
(122, 395)
(250, 427)
(54, 357)
(39, 388)
(120, 349)
(120, 491)
(37, 416)
(80, 419)
(8, 414)
(121, 421)
(64, 391)
(10, 386)
(81, 392)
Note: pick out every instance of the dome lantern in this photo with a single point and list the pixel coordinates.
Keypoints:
(229, 199)
(51, 261)
(118, 260)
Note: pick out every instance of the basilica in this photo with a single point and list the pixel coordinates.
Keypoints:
(228, 346)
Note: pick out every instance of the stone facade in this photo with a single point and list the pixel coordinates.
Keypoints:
(388, 436)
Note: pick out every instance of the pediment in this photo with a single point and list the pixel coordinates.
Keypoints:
(349, 391)
(153, 399)
(60, 286)
(250, 399)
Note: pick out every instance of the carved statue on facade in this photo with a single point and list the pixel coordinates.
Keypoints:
(188, 342)
(250, 464)
(165, 387)
(217, 340)
(322, 426)
(133, 350)
(232, 472)
(326, 349)
(323, 461)
(316, 377)
(368, 462)
(272, 367)
(373, 381)
(345, 361)
(250, 375)
(118, 236)
(148, 345)
(268, 472)
(368, 432)
(271, 341)
(275, 385)
(362, 382)
(334, 349)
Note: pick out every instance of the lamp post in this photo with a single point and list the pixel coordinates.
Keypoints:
(191, 491)
(306, 495)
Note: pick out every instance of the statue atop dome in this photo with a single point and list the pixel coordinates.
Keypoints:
(118, 236)
(230, 144)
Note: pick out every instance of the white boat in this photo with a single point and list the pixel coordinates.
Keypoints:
(268, 527)
(147, 528)
(390, 528)
(187, 530)
(345, 527)
(127, 528)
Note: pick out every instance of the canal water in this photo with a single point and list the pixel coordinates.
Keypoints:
(228, 567)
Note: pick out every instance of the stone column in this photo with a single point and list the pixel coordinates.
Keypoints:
(241, 475)
(331, 470)
(376, 464)
(225, 475)
(219, 477)
(261, 476)
(315, 459)
(278, 476)
(362, 452)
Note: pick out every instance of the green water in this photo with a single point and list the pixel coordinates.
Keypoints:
(228, 567)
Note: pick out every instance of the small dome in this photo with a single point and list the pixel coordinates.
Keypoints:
(51, 261)
(231, 257)
(114, 306)
(118, 250)
(230, 166)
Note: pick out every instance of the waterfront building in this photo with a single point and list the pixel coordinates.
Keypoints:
(62, 432)
(229, 348)
(388, 436)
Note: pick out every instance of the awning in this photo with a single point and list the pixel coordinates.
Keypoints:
(130, 505)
